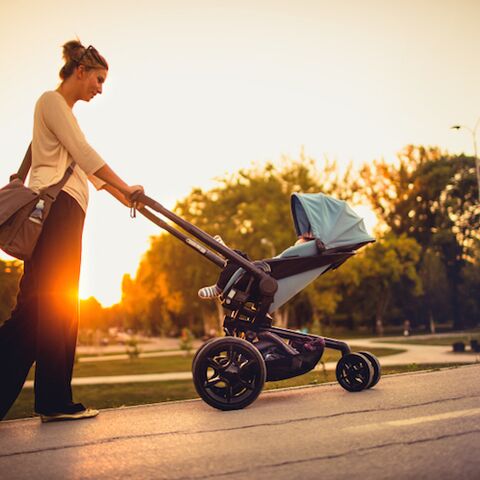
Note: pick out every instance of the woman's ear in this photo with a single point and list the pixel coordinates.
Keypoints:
(80, 72)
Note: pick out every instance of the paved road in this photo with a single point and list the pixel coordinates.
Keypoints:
(422, 426)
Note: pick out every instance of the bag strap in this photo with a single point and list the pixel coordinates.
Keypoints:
(25, 166)
(52, 191)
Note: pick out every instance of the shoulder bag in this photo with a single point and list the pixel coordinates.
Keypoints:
(23, 211)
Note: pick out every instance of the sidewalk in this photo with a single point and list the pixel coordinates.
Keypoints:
(418, 354)
(419, 425)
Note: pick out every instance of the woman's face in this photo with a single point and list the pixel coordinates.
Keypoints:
(92, 83)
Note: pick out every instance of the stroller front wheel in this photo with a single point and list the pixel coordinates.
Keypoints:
(228, 373)
(377, 369)
(354, 372)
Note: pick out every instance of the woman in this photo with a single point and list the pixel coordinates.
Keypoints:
(43, 325)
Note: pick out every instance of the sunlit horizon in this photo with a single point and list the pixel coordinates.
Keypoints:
(200, 89)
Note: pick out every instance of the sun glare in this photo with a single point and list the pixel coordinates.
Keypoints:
(369, 217)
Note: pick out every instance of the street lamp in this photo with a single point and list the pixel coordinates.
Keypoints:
(473, 131)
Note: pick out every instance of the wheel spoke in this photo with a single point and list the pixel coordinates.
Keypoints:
(213, 363)
(237, 358)
(230, 356)
(228, 392)
(248, 385)
(247, 364)
(213, 382)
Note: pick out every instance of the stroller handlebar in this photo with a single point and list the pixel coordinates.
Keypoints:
(268, 285)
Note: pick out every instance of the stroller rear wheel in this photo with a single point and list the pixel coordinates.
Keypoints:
(228, 373)
(354, 372)
(377, 369)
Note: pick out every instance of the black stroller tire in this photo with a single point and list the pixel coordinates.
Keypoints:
(228, 373)
(202, 346)
(354, 372)
(377, 369)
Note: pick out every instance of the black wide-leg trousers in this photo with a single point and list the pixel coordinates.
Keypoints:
(44, 323)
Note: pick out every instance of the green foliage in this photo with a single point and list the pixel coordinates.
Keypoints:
(371, 281)
(10, 273)
(469, 293)
(186, 341)
(91, 314)
(132, 348)
(432, 197)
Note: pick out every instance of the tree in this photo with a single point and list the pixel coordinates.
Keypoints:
(10, 273)
(91, 314)
(373, 278)
(430, 196)
(433, 306)
(469, 288)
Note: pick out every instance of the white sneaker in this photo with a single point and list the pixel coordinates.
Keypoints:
(61, 416)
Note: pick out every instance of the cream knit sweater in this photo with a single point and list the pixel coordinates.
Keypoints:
(57, 140)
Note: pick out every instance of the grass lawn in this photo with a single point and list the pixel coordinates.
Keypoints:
(123, 352)
(124, 394)
(136, 366)
(440, 340)
(173, 363)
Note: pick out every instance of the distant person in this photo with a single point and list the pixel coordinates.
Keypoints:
(406, 328)
(43, 325)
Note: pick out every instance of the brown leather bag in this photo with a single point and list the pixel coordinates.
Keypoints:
(23, 211)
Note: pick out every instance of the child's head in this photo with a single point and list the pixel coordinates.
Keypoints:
(305, 237)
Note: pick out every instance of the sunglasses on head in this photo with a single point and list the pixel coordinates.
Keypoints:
(93, 53)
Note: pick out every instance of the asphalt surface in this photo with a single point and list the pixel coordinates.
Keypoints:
(420, 425)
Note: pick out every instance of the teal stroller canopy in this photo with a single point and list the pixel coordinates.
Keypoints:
(329, 219)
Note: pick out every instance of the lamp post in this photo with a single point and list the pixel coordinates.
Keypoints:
(473, 131)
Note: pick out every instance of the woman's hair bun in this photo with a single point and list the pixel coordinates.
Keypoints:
(74, 54)
(73, 50)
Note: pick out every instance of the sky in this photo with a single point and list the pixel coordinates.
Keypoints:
(200, 88)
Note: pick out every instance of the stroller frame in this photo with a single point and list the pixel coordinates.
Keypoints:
(240, 361)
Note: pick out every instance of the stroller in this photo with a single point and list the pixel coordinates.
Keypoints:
(229, 372)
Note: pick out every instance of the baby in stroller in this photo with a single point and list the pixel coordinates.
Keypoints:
(213, 291)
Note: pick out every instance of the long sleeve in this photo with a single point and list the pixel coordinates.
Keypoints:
(59, 119)
(57, 141)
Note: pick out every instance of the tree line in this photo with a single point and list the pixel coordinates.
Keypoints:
(424, 267)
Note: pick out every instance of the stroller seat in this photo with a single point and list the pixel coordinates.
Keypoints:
(299, 265)
(293, 269)
(307, 249)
